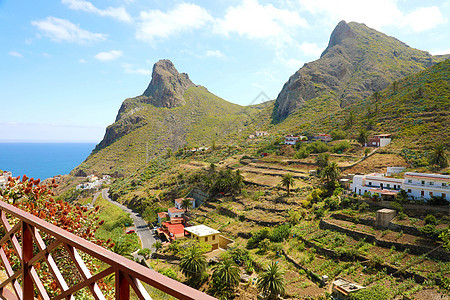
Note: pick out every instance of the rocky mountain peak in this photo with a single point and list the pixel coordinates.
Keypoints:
(167, 87)
(341, 32)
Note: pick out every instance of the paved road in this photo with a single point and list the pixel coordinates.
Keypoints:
(142, 229)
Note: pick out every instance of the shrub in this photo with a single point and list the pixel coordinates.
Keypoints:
(363, 207)
(340, 147)
(332, 202)
(280, 233)
(257, 237)
(301, 153)
(430, 232)
(430, 219)
(338, 134)
(402, 216)
(434, 200)
(317, 147)
(397, 206)
(169, 273)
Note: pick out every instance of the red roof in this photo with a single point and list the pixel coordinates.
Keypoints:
(384, 192)
(162, 214)
(175, 210)
(179, 200)
(175, 229)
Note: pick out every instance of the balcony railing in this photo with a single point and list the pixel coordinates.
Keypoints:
(434, 186)
(23, 237)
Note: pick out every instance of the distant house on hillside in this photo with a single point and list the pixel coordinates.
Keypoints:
(323, 137)
(293, 139)
(379, 140)
(261, 133)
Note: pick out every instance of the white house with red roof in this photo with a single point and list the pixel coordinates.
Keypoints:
(375, 183)
(379, 140)
(179, 202)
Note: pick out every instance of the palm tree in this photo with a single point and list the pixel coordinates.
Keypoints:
(288, 182)
(186, 203)
(363, 137)
(238, 181)
(225, 278)
(331, 172)
(438, 156)
(322, 160)
(193, 263)
(271, 282)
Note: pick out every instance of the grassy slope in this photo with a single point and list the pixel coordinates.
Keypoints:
(417, 121)
(205, 119)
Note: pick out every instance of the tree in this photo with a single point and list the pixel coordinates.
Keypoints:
(193, 264)
(186, 203)
(145, 253)
(438, 156)
(322, 160)
(271, 282)
(377, 96)
(350, 120)
(157, 245)
(288, 182)
(331, 172)
(363, 137)
(225, 278)
(237, 181)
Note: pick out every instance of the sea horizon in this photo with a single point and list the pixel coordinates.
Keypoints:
(42, 159)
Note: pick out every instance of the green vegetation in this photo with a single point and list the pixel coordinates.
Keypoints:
(271, 281)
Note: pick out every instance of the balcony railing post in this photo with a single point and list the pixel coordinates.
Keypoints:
(122, 286)
(27, 255)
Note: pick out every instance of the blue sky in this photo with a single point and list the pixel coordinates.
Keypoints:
(67, 65)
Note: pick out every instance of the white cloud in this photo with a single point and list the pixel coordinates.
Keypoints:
(62, 30)
(15, 54)
(108, 56)
(129, 69)
(424, 18)
(375, 14)
(311, 49)
(440, 51)
(82, 61)
(158, 24)
(118, 13)
(215, 53)
(256, 21)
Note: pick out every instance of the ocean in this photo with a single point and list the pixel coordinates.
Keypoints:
(42, 160)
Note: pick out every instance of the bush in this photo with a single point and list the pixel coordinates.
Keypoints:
(169, 273)
(338, 134)
(332, 202)
(397, 206)
(280, 233)
(257, 237)
(301, 153)
(340, 147)
(434, 200)
(430, 231)
(402, 216)
(317, 147)
(430, 219)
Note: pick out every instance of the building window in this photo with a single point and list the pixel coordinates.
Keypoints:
(423, 182)
(370, 183)
(213, 237)
(206, 239)
(431, 193)
(388, 185)
(409, 190)
(444, 195)
(431, 183)
(422, 193)
(409, 180)
(443, 184)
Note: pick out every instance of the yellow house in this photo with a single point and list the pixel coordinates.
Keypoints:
(204, 234)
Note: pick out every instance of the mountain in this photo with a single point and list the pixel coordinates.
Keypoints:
(357, 62)
(172, 113)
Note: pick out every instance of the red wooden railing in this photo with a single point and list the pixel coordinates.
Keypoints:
(25, 239)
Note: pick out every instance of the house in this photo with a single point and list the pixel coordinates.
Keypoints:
(4, 179)
(179, 203)
(379, 140)
(293, 139)
(261, 133)
(394, 170)
(171, 231)
(204, 234)
(323, 137)
(375, 183)
(416, 185)
(162, 216)
(424, 185)
(174, 212)
(341, 289)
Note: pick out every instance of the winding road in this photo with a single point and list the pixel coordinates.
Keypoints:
(142, 230)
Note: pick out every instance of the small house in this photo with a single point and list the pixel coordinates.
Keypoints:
(323, 137)
(204, 234)
(379, 140)
(179, 203)
(261, 133)
(174, 212)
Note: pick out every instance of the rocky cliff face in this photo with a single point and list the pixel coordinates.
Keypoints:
(167, 87)
(357, 62)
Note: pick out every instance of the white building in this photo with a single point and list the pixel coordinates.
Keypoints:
(179, 203)
(417, 185)
(423, 185)
(376, 184)
(261, 133)
(4, 179)
(293, 139)
(379, 140)
(174, 212)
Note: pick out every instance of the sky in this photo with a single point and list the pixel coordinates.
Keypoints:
(67, 65)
